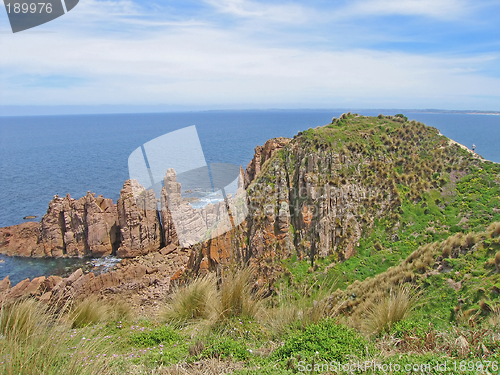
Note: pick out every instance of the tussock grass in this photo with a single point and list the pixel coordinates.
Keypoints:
(37, 340)
(20, 319)
(469, 240)
(396, 306)
(87, 312)
(202, 302)
(494, 318)
(193, 302)
(92, 311)
(281, 318)
(235, 296)
(494, 230)
(119, 310)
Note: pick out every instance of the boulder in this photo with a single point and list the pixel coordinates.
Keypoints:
(5, 284)
(18, 290)
(35, 287)
(21, 240)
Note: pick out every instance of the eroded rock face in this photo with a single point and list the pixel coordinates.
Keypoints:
(139, 221)
(102, 225)
(262, 154)
(227, 241)
(188, 226)
(70, 228)
(21, 240)
(78, 228)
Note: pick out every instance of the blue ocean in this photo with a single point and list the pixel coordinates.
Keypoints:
(41, 156)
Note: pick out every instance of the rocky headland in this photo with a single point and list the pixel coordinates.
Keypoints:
(313, 196)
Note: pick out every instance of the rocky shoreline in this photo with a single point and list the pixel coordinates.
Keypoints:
(133, 229)
(311, 197)
(144, 236)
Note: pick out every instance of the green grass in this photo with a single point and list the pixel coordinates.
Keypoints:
(429, 228)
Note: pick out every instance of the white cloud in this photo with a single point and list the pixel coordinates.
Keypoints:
(286, 13)
(190, 62)
(441, 9)
(209, 67)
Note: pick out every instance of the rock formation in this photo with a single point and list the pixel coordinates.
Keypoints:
(78, 228)
(150, 274)
(139, 220)
(262, 154)
(311, 196)
(20, 240)
(102, 225)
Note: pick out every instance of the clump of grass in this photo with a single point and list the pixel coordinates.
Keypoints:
(447, 249)
(469, 240)
(236, 297)
(202, 301)
(36, 340)
(494, 318)
(193, 302)
(89, 311)
(396, 306)
(279, 319)
(494, 230)
(20, 319)
(316, 312)
(120, 310)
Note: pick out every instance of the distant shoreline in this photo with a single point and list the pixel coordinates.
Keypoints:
(22, 111)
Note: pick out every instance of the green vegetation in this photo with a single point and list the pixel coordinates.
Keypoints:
(421, 288)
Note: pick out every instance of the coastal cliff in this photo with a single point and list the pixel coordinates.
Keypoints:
(312, 197)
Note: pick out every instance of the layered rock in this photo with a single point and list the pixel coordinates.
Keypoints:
(262, 154)
(297, 208)
(72, 228)
(140, 229)
(140, 281)
(78, 228)
(102, 225)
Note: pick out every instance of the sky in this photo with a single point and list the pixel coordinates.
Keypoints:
(248, 54)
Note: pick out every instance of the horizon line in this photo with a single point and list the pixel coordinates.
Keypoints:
(75, 110)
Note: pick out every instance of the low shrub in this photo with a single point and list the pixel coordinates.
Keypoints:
(162, 335)
(325, 340)
(224, 347)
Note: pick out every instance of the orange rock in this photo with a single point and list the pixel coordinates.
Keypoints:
(19, 289)
(35, 286)
(177, 275)
(5, 284)
(21, 240)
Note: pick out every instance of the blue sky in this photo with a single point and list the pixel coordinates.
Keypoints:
(224, 54)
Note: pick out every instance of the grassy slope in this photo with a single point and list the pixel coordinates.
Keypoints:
(443, 193)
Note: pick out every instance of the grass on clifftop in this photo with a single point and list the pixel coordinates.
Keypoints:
(422, 287)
